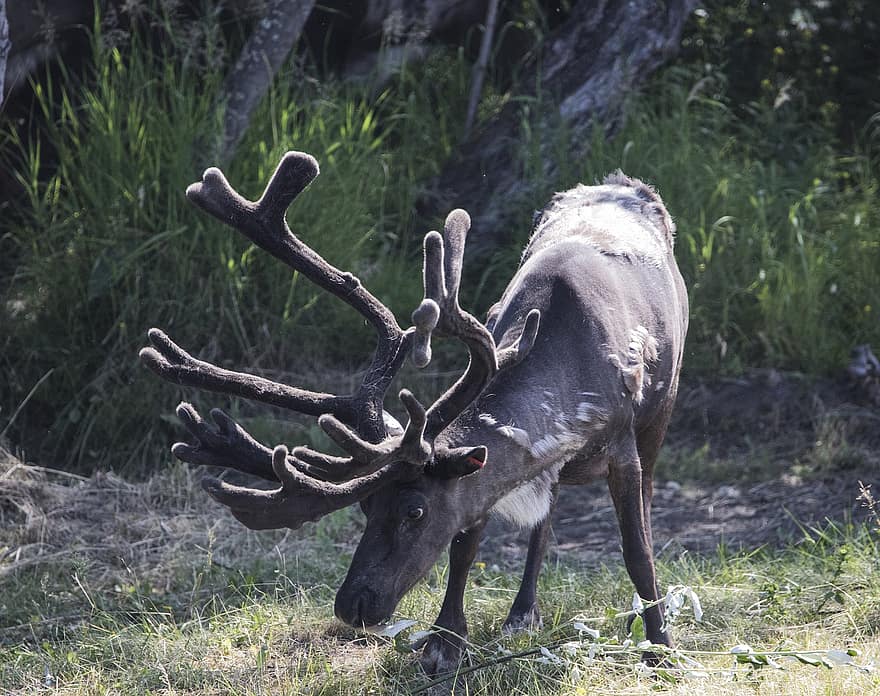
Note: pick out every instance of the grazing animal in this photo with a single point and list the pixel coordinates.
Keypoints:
(572, 378)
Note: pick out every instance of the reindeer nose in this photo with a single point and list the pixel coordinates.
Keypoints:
(358, 607)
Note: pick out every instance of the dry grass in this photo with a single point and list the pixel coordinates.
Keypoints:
(153, 529)
(109, 586)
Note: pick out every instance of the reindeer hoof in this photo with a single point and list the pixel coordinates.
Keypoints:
(522, 621)
(653, 659)
(443, 654)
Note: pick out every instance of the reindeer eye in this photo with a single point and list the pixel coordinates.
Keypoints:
(415, 513)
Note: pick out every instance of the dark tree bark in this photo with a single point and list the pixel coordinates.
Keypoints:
(5, 47)
(274, 36)
(35, 33)
(585, 70)
(394, 33)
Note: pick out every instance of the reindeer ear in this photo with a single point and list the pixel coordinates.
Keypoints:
(457, 462)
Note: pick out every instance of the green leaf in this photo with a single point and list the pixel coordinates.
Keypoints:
(403, 644)
(807, 659)
(262, 656)
(637, 630)
(666, 675)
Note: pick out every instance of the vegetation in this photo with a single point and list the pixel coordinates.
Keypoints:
(777, 227)
(777, 233)
(770, 168)
(106, 246)
(141, 588)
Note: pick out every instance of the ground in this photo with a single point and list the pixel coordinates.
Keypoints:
(696, 515)
(110, 584)
(748, 461)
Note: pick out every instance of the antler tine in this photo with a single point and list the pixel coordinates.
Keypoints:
(299, 499)
(455, 229)
(443, 259)
(263, 222)
(440, 310)
(227, 444)
(365, 457)
(171, 362)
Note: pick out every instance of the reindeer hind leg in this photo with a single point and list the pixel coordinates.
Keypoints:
(625, 484)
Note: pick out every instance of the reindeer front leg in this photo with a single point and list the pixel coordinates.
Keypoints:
(524, 613)
(443, 650)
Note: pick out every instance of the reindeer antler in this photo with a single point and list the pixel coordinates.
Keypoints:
(227, 444)
(314, 483)
(444, 257)
(439, 311)
(300, 498)
(367, 457)
(264, 223)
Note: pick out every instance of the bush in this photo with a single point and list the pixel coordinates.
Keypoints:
(777, 228)
(106, 246)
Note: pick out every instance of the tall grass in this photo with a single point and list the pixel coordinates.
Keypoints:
(778, 231)
(106, 245)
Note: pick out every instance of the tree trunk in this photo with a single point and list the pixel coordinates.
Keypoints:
(273, 38)
(584, 71)
(395, 33)
(5, 47)
(479, 73)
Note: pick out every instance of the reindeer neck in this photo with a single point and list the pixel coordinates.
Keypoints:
(529, 435)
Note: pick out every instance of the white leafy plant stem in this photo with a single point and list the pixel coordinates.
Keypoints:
(590, 646)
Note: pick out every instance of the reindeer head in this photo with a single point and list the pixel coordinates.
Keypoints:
(404, 478)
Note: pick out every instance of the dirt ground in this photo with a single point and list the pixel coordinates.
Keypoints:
(692, 516)
(768, 455)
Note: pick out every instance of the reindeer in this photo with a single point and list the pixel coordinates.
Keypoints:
(572, 378)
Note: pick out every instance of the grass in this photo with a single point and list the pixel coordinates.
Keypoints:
(110, 586)
(777, 228)
(777, 231)
(113, 587)
(103, 245)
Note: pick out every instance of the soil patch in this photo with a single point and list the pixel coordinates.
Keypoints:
(689, 517)
(751, 461)
(748, 462)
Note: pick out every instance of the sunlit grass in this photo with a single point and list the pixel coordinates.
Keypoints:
(107, 586)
